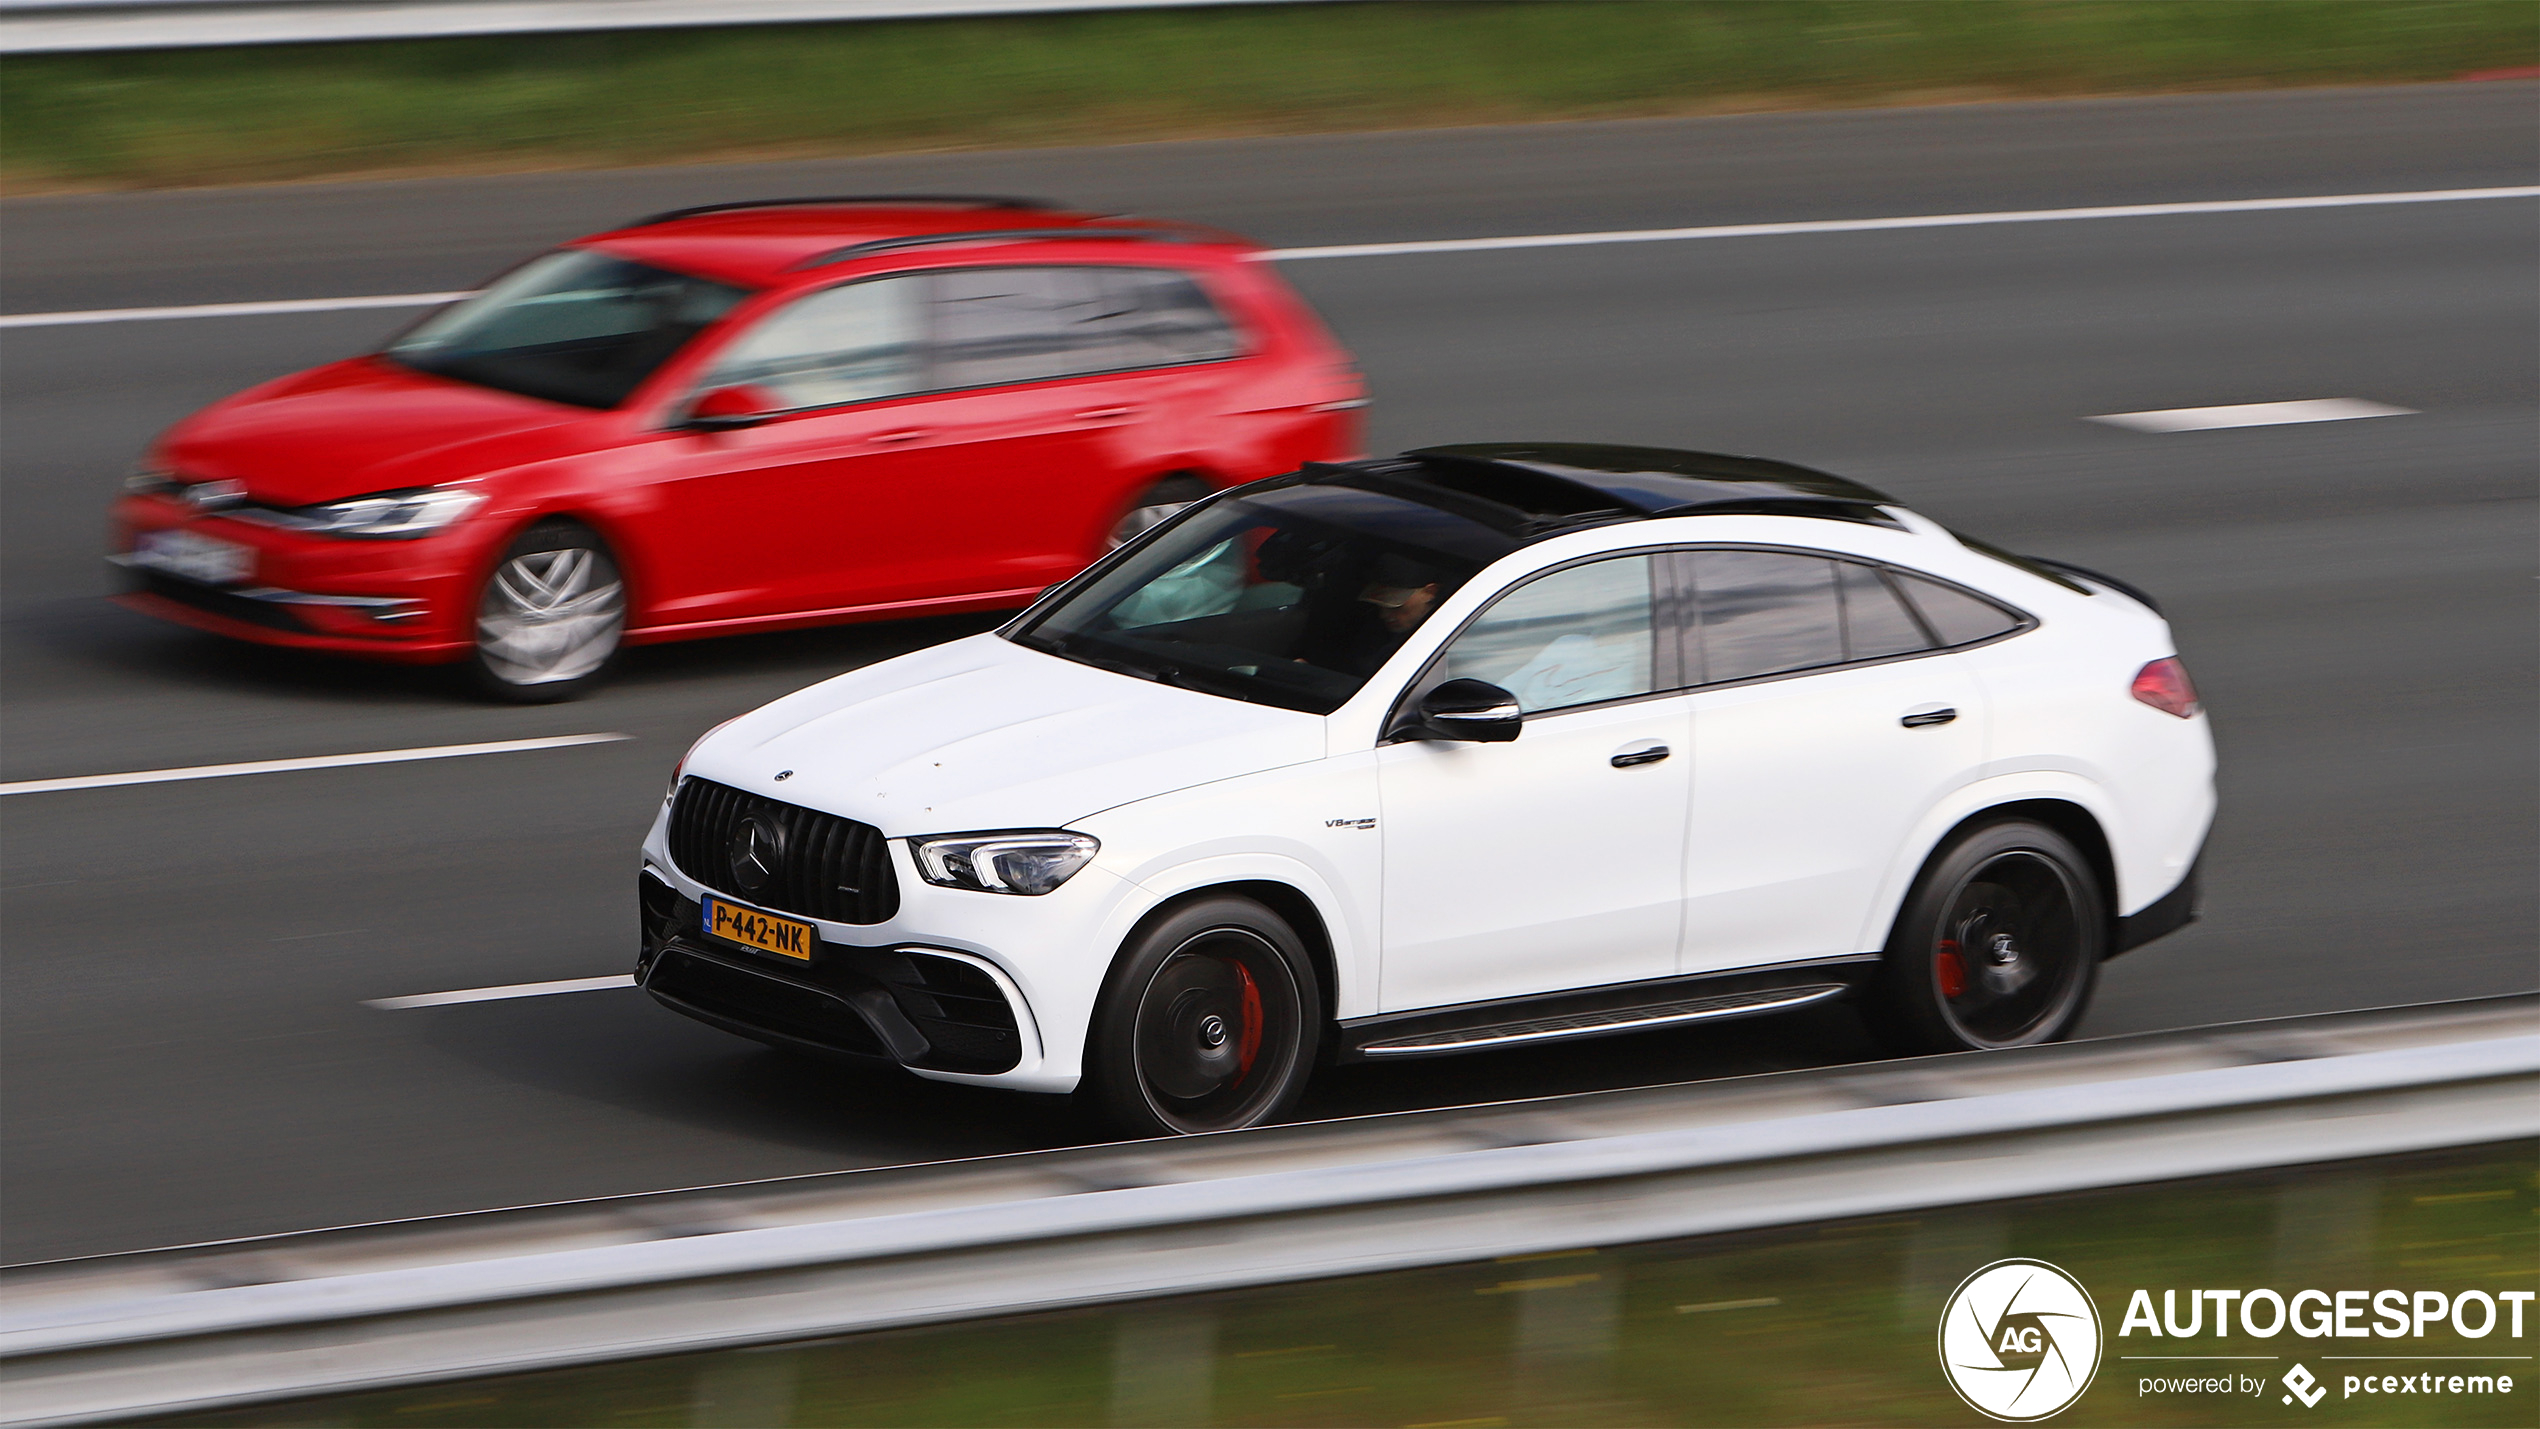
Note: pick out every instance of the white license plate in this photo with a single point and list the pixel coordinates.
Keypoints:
(195, 556)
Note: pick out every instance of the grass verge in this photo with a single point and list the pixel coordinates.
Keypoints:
(185, 117)
(1829, 1324)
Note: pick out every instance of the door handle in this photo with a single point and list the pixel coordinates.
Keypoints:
(1921, 718)
(905, 434)
(1106, 414)
(1650, 755)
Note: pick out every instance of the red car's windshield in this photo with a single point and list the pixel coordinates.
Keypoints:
(575, 326)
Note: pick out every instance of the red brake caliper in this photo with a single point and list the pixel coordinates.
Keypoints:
(1250, 1046)
(1953, 973)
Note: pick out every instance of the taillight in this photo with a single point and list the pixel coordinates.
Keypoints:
(2164, 686)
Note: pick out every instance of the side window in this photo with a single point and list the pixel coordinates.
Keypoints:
(851, 343)
(1953, 615)
(1157, 318)
(1875, 623)
(1573, 637)
(1001, 325)
(1764, 613)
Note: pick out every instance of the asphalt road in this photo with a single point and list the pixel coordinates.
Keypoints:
(186, 1056)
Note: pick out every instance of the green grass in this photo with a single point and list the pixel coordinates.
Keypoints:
(1830, 1324)
(229, 115)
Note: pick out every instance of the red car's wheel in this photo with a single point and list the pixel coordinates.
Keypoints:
(551, 616)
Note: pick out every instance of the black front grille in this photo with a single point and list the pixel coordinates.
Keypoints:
(825, 866)
(222, 602)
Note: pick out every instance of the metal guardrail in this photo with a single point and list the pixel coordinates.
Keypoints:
(163, 1331)
(62, 26)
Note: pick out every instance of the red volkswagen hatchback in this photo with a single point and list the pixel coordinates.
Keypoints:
(745, 417)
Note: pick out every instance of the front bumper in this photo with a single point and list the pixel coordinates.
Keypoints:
(390, 600)
(927, 1009)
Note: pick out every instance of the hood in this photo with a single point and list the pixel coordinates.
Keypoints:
(985, 734)
(351, 428)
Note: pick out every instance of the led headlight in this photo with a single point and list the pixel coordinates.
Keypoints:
(391, 514)
(1030, 862)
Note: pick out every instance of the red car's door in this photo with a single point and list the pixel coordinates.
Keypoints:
(1070, 388)
(805, 512)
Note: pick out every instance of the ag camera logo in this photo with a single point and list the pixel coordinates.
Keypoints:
(2019, 1340)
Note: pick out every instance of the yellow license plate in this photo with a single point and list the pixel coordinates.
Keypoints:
(784, 937)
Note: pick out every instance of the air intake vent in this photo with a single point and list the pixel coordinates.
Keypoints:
(782, 856)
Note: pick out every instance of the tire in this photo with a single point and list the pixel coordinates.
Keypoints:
(550, 618)
(1154, 506)
(1209, 1021)
(1998, 944)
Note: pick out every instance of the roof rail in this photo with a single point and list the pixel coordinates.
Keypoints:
(989, 235)
(957, 200)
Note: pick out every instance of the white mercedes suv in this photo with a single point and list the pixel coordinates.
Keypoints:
(1473, 747)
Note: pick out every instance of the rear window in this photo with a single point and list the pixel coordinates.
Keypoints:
(1956, 616)
(1001, 325)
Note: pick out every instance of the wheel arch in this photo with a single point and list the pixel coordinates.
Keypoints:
(1290, 902)
(2074, 822)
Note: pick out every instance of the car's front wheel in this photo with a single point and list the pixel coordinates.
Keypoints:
(551, 616)
(1998, 944)
(1208, 1022)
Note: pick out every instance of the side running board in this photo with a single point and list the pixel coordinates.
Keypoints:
(1593, 1024)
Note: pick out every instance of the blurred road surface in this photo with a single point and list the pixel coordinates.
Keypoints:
(187, 1056)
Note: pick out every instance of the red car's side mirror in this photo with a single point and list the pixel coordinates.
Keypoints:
(726, 408)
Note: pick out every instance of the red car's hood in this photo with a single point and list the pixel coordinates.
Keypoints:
(366, 425)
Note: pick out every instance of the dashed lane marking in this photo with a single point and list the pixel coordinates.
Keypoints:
(2252, 414)
(322, 761)
(499, 994)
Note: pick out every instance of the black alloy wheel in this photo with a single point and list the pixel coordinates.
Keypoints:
(1209, 1022)
(1998, 945)
(550, 618)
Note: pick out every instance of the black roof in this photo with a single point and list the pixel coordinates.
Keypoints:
(1539, 489)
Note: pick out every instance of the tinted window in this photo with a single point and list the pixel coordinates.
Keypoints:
(1765, 612)
(1000, 325)
(1875, 622)
(845, 344)
(1570, 638)
(1291, 597)
(577, 326)
(1955, 616)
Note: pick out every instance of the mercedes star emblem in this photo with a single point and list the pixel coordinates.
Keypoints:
(758, 847)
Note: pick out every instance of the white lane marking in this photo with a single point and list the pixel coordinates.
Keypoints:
(2253, 414)
(499, 994)
(228, 310)
(322, 761)
(1450, 245)
(1877, 225)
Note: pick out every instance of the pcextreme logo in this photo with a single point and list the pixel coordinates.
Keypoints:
(2019, 1340)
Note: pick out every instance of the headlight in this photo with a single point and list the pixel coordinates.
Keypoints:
(394, 514)
(1031, 863)
(149, 478)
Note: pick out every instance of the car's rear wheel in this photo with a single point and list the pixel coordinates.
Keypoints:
(551, 616)
(1154, 506)
(1208, 1022)
(1998, 944)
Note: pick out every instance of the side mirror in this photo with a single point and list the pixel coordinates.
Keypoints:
(1473, 710)
(726, 408)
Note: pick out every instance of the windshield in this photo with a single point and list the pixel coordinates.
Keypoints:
(1291, 597)
(574, 326)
